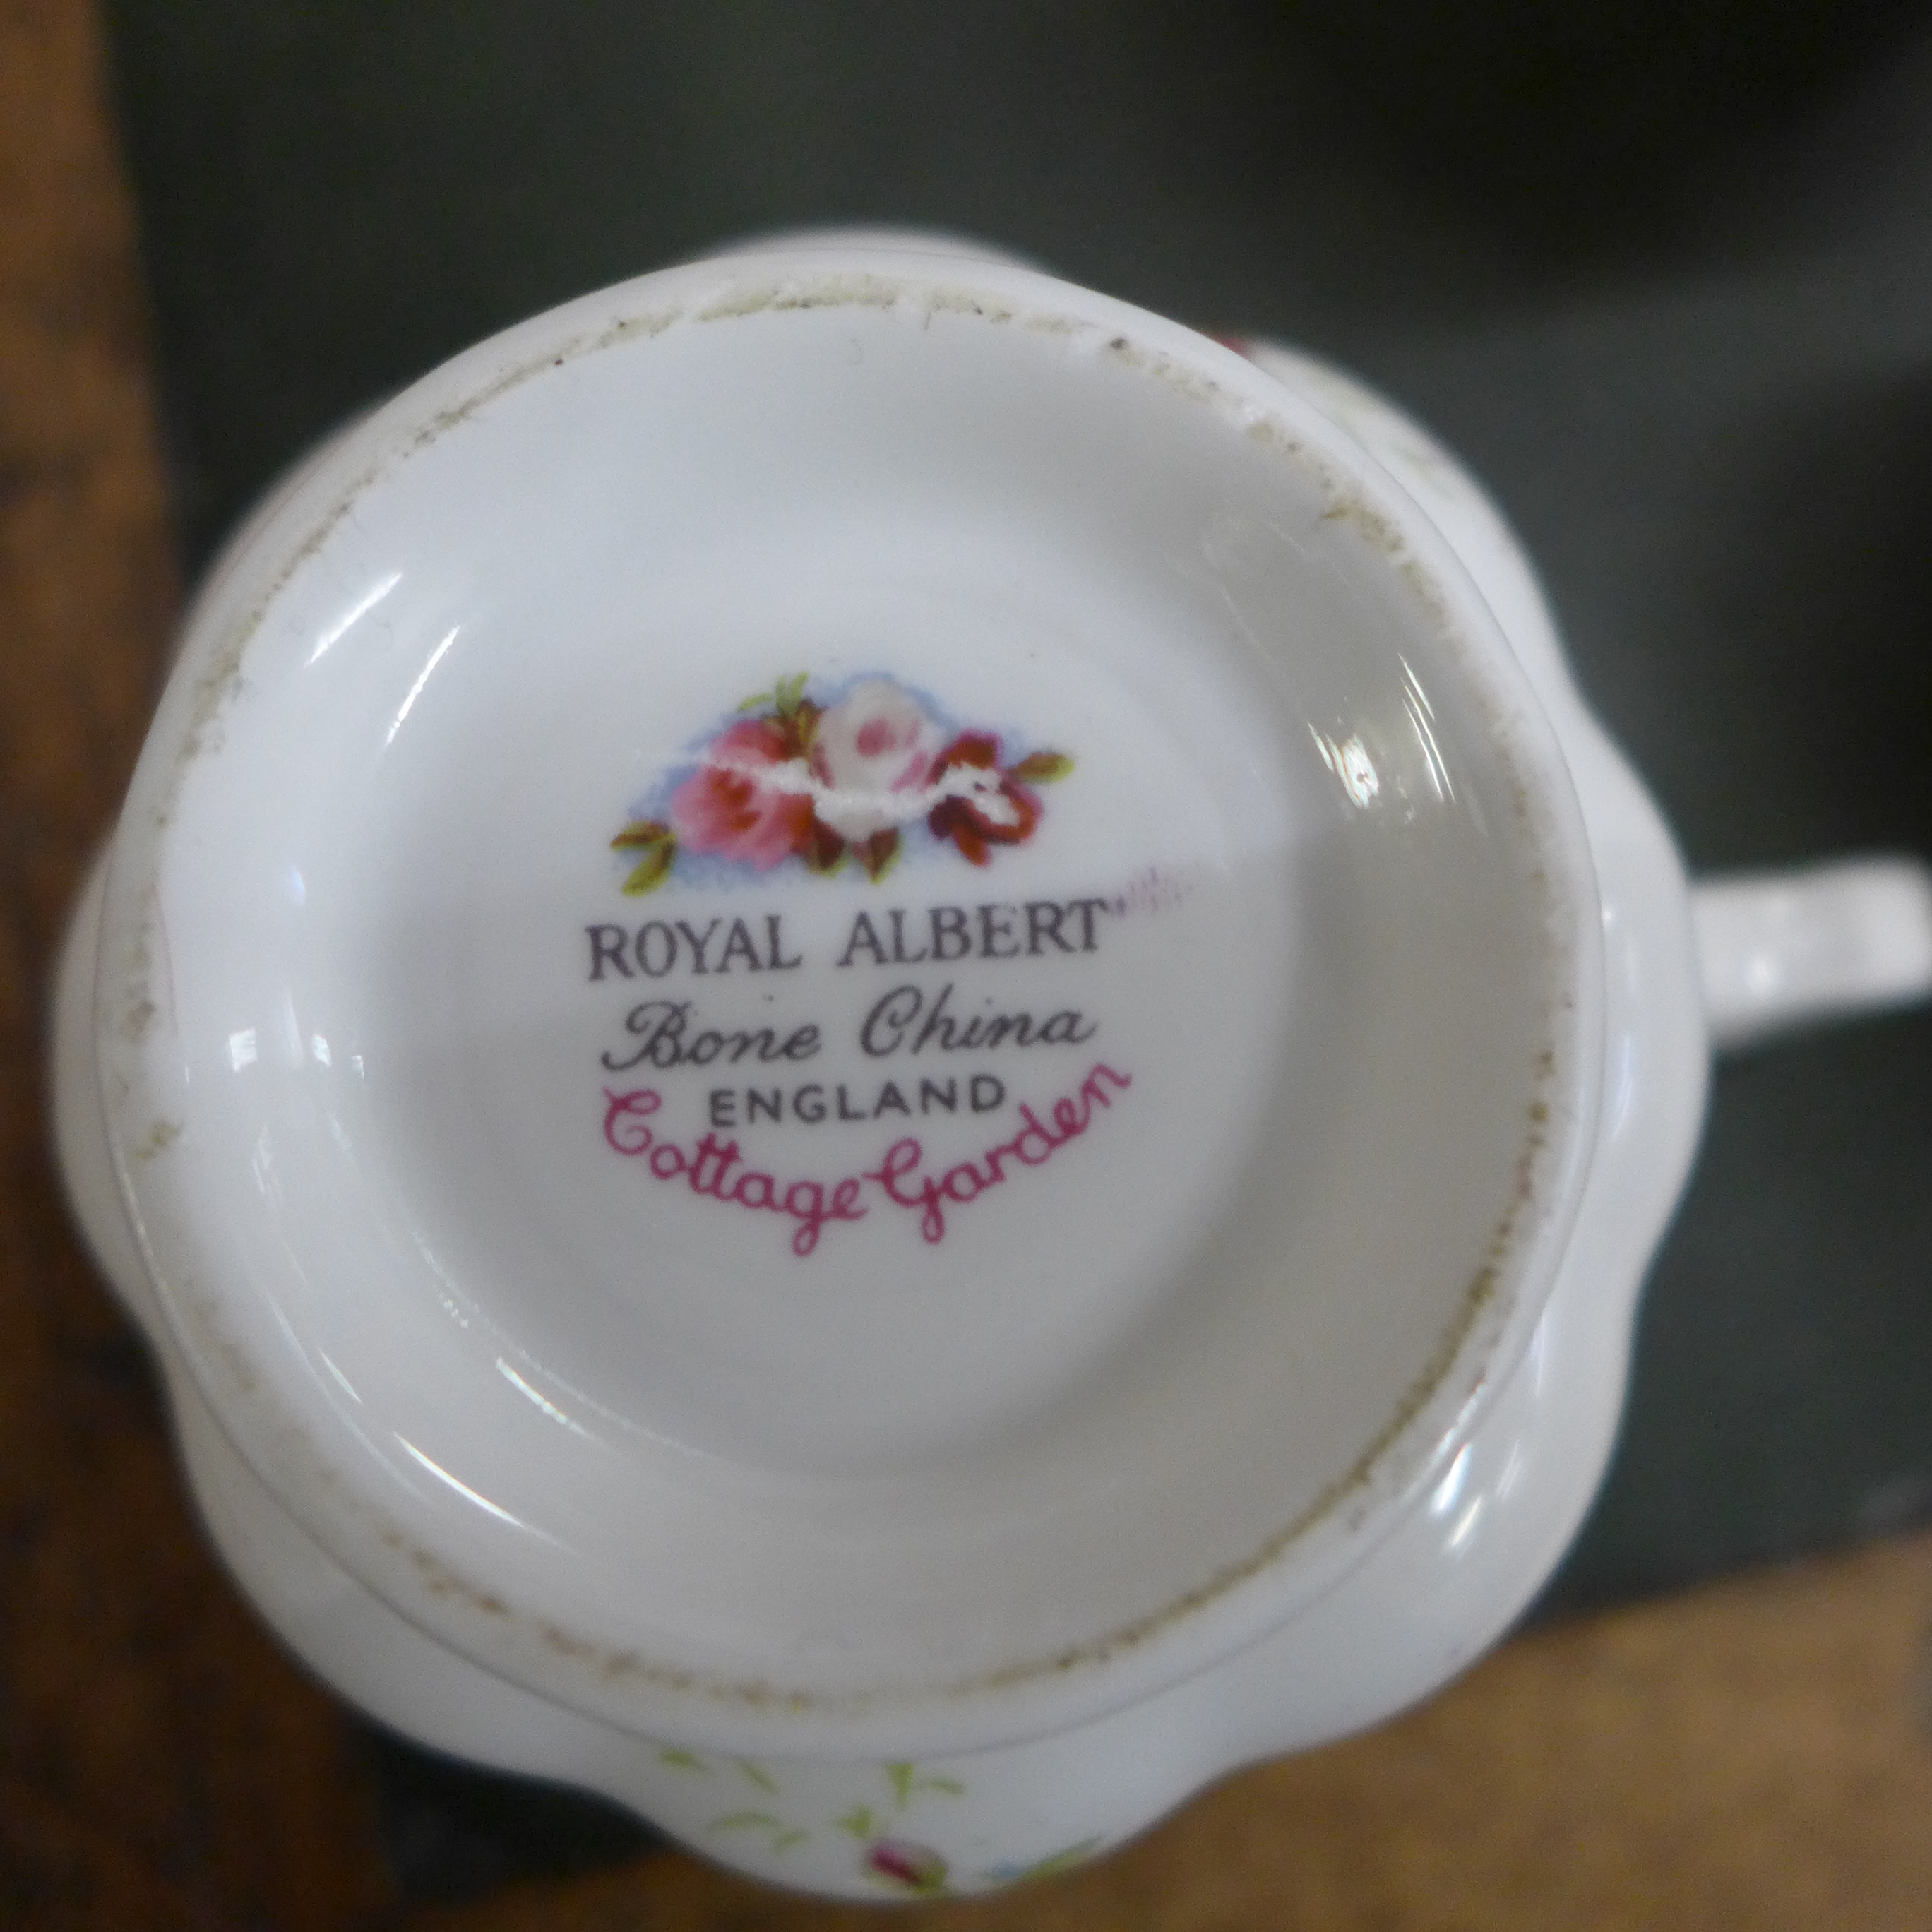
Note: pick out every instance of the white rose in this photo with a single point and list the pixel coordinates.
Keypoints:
(872, 755)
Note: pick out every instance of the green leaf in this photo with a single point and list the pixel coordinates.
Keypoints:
(651, 871)
(878, 854)
(757, 698)
(759, 1776)
(859, 1822)
(657, 845)
(824, 851)
(746, 1821)
(789, 691)
(1042, 767)
(679, 1759)
(908, 1778)
(1055, 1862)
(641, 832)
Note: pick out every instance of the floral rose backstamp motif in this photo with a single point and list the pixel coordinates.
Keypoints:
(851, 779)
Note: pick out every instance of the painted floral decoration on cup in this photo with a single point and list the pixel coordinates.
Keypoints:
(791, 777)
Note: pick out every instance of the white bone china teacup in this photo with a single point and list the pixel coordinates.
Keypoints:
(884, 1060)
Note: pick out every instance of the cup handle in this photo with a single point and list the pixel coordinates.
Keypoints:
(1779, 951)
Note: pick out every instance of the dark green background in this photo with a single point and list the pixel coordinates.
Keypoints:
(1662, 272)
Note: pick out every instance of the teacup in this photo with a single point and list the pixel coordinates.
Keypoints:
(884, 1060)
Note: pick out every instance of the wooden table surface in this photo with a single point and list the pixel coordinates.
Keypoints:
(1759, 1754)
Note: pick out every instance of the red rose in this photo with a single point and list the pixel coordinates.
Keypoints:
(984, 806)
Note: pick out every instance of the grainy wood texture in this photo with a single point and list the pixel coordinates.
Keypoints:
(160, 1764)
(1750, 1759)
(1752, 1756)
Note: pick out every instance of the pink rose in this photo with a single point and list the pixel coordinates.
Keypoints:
(750, 800)
(872, 754)
(919, 1868)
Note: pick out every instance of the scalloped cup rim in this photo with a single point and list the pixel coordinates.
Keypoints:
(438, 1548)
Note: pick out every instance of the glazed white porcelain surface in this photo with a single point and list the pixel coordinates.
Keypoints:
(515, 1060)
